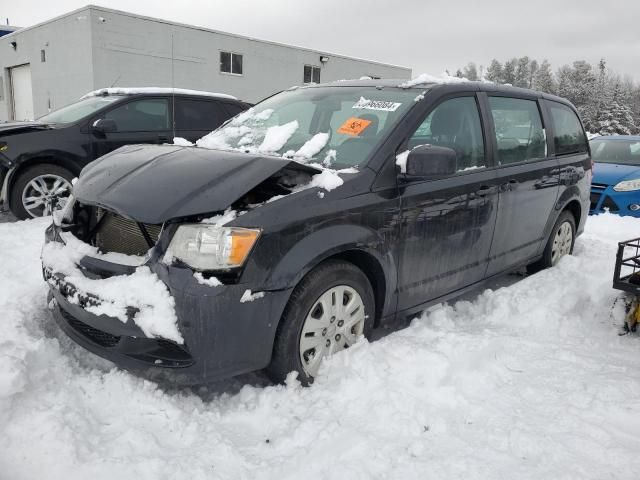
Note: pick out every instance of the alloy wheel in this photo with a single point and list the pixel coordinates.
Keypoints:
(39, 195)
(562, 242)
(335, 322)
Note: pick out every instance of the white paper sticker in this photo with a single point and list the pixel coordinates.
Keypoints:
(364, 104)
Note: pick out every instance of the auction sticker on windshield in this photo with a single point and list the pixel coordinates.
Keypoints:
(383, 105)
(354, 126)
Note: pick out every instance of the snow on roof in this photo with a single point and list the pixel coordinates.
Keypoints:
(426, 78)
(154, 90)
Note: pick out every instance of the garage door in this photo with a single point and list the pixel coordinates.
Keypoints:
(21, 92)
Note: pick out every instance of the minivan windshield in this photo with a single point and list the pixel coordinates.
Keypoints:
(76, 111)
(331, 125)
(616, 150)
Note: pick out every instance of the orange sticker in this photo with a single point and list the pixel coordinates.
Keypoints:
(354, 126)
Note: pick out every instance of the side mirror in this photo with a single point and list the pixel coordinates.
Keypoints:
(105, 125)
(431, 162)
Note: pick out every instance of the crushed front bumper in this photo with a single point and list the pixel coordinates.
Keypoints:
(222, 336)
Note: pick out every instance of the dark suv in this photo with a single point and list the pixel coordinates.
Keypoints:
(39, 159)
(321, 214)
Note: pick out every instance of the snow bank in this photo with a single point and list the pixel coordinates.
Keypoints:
(142, 289)
(154, 90)
(426, 78)
(528, 381)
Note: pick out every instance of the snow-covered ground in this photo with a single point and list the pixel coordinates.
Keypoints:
(528, 381)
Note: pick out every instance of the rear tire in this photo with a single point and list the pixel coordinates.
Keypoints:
(559, 244)
(36, 186)
(329, 309)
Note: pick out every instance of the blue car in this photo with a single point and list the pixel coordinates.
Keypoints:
(616, 175)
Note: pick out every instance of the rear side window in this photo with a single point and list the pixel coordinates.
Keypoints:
(233, 108)
(454, 124)
(519, 132)
(203, 115)
(569, 135)
(145, 115)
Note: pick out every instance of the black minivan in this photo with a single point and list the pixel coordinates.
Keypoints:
(310, 220)
(39, 159)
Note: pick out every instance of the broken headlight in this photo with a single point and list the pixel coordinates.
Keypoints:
(210, 247)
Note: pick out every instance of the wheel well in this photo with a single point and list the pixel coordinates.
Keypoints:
(576, 210)
(374, 272)
(69, 165)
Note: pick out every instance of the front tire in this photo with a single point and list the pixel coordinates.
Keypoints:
(559, 244)
(329, 310)
(36, 187)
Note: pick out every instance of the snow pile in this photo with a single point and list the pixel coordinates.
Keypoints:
(141, 290)
(249, 296)
(528, 381)
(223, 219)
(312, 147)
(277, 136)
(245, 130)
(426, 78)
(401, 160)
(210, 282)
(154, 90)
(182, 142)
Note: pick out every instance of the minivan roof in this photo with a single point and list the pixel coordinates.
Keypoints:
(450, 85)
(155, 91)
(633, 138)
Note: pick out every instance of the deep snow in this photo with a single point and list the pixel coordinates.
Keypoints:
(528, 381)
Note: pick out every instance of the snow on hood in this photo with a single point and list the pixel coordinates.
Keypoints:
(141, 290)
(154, 90)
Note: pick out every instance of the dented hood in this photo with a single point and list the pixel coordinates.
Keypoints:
(153, 183)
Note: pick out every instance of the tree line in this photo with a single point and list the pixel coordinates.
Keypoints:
(608, 103)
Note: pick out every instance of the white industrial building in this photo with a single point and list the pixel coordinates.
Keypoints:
(52, 64)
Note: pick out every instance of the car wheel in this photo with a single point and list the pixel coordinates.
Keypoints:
(329, 310)
(35, 189)
(559, 244)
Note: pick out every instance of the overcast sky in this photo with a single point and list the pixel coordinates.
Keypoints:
(428, 36)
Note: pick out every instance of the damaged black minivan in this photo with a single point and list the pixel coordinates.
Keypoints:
(311, 220)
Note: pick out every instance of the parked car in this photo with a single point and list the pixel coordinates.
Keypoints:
(275, 261)
(616, 178)
(39, 159)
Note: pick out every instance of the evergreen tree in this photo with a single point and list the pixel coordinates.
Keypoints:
(606, 103)
(470, 72)
(494, 72)
(622, 122)
(509, 71)
(522, 73)
(543, 78)
(533, 69)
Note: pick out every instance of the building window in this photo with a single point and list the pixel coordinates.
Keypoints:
(311, 74)
(231, 63)
(43, 56)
